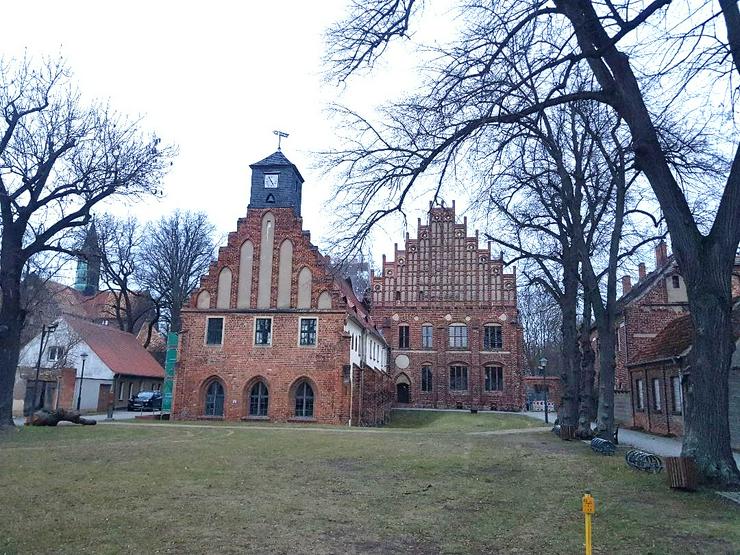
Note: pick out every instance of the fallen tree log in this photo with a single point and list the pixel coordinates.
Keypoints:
(45, 417)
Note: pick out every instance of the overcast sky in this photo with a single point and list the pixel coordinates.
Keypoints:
(215, 79)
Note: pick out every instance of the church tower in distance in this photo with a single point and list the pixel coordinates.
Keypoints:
(87, 278)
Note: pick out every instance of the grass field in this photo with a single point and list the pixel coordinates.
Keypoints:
(425, 485)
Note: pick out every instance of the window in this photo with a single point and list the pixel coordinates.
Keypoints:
(258, 399)
(398, 295)
(156, 387)
(676, 282)
(421, 295)
(403, 337)
(677, 394)
(56, 353)
(656, 394)
(426, 336)
(304, 401)
(120, 391)
(640, 395)
(458, 378)
(494, 378)
(308, 331)
(215, 399)
(492, 338)
(263, 331)
(215, 331)
(458, 336)
(426, 378)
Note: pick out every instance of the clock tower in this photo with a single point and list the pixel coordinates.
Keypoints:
(276, 183)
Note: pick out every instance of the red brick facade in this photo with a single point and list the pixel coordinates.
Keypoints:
(331, 362)
(652, 329)
(434, 302)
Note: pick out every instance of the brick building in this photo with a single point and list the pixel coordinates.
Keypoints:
(272, 333)
(645, 314)
(658, 373)
(449, 313)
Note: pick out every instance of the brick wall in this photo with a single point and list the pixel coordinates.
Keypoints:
(442, 277)
(665, 420)
(238, 363)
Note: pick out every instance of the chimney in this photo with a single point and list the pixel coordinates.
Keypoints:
(661, 254)
(641, 271)
(626, 285)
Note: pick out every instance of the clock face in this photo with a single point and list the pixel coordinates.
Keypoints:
(271, 181)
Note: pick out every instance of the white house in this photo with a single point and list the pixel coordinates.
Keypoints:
(105, 359)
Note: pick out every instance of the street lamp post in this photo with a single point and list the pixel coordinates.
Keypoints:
(45, 332)
(543, 365)
(83, 356)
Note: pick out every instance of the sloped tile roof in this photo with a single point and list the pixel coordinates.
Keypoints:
(120, 351)
(676, 339)
(277, 158)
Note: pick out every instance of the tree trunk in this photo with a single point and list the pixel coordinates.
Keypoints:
(607, 368)
(586, 407)
(706, 420)
(11, 320)
(569, 377)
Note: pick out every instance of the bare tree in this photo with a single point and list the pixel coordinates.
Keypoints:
(58, 159)
(485, 79)
(178, 250)
(120, 245)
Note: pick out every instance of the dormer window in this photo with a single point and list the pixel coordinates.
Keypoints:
(271, 180)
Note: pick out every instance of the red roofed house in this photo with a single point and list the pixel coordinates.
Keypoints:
(657, 376)
(272, 333)
(116, 362)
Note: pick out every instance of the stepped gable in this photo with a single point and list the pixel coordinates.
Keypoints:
(443, 264)
(288, 226)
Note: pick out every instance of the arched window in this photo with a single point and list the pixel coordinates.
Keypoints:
(426, 379)
(215, 399)
(458, 336)
(258, 399)
(304, 400)
(492, 337)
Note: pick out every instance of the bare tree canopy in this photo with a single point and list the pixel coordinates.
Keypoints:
(59, 157)
(652, 62)
(178, 250)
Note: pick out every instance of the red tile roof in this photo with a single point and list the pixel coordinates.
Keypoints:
(120, 351)
(676, 339)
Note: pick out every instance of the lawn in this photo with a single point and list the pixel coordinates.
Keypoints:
(117, 488)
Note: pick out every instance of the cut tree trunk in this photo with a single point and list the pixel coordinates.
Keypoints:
(45, 417)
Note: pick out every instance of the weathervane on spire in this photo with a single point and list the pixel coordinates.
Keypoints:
(280, 135)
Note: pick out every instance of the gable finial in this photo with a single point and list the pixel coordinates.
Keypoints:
(280, 135)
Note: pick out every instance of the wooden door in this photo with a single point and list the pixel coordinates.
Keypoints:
(103, 397)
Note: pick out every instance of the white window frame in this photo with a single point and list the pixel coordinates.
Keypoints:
(677, 394)
(316, 331)
(431, 336)
(272, 331)
(657, 405)
(57, 350)
(120, 391)
(640, 394)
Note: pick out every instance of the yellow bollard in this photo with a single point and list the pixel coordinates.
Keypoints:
(587, 506)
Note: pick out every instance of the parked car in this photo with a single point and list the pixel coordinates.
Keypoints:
(146, 400)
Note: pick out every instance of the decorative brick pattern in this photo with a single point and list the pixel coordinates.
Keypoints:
(442, 278)
(238, 363)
